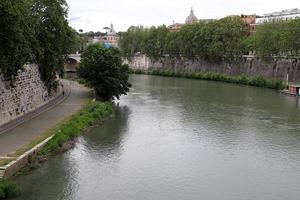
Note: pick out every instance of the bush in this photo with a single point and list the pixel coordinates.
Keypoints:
(103, 70)
(9, 189)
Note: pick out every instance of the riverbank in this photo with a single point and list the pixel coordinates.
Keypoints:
(61, 136)
(257, 81)
(92, 113)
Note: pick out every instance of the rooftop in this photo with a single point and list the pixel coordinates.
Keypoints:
(283, 12)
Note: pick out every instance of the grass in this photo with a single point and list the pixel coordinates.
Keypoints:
(257, 81)
(5, 161)
(70, 128)
(30, 145)
(89, 115)
(8, 189)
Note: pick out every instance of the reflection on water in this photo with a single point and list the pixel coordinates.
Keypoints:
(182, 139)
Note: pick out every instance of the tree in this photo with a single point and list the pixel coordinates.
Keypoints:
(133, 41)
(219, 40)
(268, 40)
(15, 36)
(172, 46)
(103, 70)
(233, 32)
(155, 42)
(35, 31)
(292, 37)
(54, 38)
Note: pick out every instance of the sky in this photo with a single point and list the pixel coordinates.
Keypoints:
(93, 15)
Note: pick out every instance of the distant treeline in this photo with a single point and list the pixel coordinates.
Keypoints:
(220, 40)
(35, 31)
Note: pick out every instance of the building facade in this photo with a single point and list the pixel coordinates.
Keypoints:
(252, 21)
(110, 39)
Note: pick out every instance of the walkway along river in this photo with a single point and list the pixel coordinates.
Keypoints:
(182, 139)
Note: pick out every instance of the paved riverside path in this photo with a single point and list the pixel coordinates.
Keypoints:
(23, 134)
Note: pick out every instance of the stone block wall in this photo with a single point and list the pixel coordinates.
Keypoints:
(27, 94)
(276, 68)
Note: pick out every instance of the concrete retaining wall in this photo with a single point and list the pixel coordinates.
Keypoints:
(10, 169)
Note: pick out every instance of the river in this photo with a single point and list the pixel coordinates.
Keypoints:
(181, 139)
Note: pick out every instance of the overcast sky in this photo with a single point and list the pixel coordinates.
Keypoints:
(93, 15)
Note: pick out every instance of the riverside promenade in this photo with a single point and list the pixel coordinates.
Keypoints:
(23, 134)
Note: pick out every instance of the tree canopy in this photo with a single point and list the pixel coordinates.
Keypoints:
(103, 70)
(276, 38)
(15, 36)
(220, 40)
(213, 41)
(34, 31)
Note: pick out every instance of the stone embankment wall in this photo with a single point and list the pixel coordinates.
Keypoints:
(276, 68)
(27, 94)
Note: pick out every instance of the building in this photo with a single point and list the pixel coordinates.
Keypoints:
(191, 18)
(111, 38)
(175, 27)
(250, 21)
(253, 21)
(288, 14)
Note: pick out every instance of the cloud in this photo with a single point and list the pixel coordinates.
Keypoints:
(95, 14)
(79, 19)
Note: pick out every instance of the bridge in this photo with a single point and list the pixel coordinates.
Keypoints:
(72, 62)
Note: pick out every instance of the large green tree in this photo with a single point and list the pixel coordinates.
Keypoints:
(54, 37)
(268, 40)
(292, 37)
(15, 36)
(103, 70)
(35, 31)
(133, 41)
(155, 41)
(214, 41)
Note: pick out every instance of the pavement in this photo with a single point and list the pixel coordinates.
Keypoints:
(23, 134)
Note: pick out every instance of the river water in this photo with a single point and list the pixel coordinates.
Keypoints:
(182, 139)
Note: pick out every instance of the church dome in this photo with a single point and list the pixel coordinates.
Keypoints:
(191, 18)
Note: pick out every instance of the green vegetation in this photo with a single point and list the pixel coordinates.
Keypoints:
(102, 69)
(223, 40)
(8, 189)
(214, 41)
(276, 38)
(53, 38)
(92, 113)
(34, 31)
(5, 161)
(258, 81)
(15, 36)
